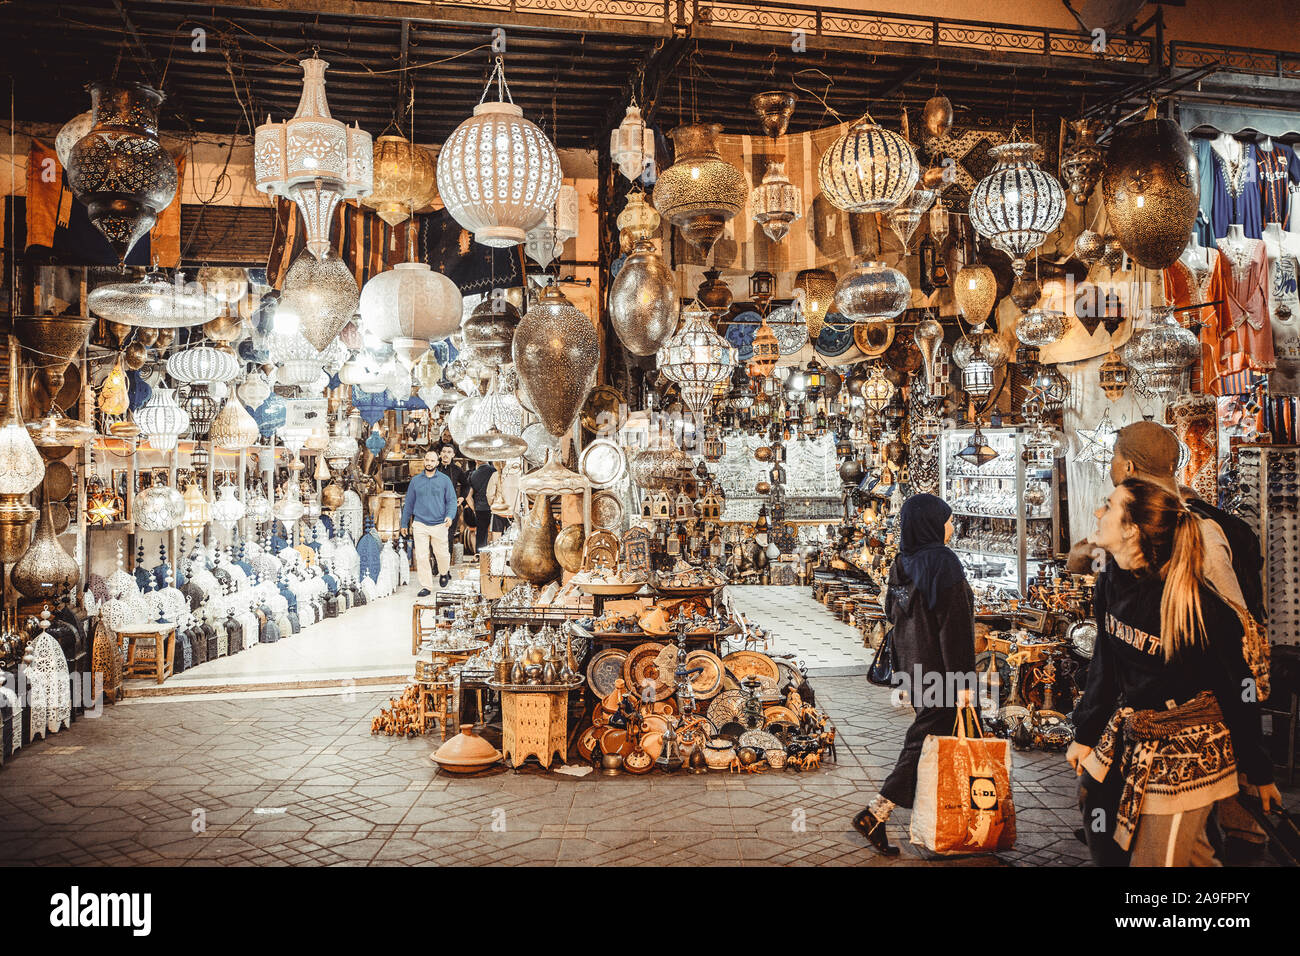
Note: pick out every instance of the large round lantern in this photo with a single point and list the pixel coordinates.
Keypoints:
(320, 296)
(202, 364)
(405, 179)
(411, 301)
(1161, 352)
(872, 292)
(1017, 206)
(498, 173)
(1151, 191)
(868, 169)
(159, 508)
(700, 192)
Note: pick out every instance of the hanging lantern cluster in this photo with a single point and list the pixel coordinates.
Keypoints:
(314, 159)
(1017, 206)
(498, 174)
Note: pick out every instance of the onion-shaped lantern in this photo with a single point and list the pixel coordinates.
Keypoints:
(872, 292)
(556, 350)
(257, 507)
(498, 173)
(1083, 161)
(700, 192)
(1161, 353)
(320, 296)
(639, 219)
(202, 364)
(868, 169)
(1017, 206)
(411, 301)
(227, 509)
(162, 422)
(776, 202)
(233, 427)
(1039, 327)
(696, 359)
(906, 216)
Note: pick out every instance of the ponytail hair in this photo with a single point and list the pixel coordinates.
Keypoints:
(1169, 536)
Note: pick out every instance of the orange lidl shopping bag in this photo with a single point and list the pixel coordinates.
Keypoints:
(963, 794)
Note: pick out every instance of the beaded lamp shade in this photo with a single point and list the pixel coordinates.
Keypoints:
(498, 173)
(697, 358)
(1017, 206)
(868, 169)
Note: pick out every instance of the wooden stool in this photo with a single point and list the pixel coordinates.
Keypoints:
(419, 629)
(156, 656)
(435, 698)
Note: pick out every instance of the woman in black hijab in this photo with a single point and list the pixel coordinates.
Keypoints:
(932, 611)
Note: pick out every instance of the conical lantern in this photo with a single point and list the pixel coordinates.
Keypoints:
(975, 289)
(45, 570)
(320, 296)
(556, 350)
(233, 427)
(774, 109)
(776, 202)
(545, 241)
(1151, 191)
(119, 170)
(533, 556)
(906, 216)
(700, 192)
(643, 300)
(1082, 163)
(52, 343)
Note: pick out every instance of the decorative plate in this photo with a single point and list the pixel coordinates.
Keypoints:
(605, 668)
(873, 338)
(741, 334)
(666, 665)
(602, 463)
(745, 663)
(789, 675)
(606, 511)
(779, 713)
(588, 739)
(708, 682)
(600, 411)
(790, 329)
(729, 681)
(761, 739)
(640, 673)
(617, 741)
(539, 440)
(832, 342)
(726, 707)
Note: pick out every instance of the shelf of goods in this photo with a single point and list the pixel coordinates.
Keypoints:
(1269, 489)
(1001, 538)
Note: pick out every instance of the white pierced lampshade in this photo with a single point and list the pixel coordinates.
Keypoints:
(254, 390)
(313, 158)
(158, 508)
(411, 301)
(299, 363)
(319, 297)
(1017, 206)
(868, 169)
(498, 174)
(227, 509)
(545, 241)
(153, 302)
(21, 467)
(202, 364)
(632, 144)
(233, 427)
(257, 508)
(162, 422)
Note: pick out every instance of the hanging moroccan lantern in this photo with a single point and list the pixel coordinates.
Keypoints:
(1151, 190)
(1083, 161)
(1025, 293)
(227, 509)
(114, 398)
(978, 451)
(700, 192)
(877, 391)
(643, 300)
(488, 333)
(814, 290)
(639, 219)
(713, 293)
(984, 340)
(405, 178)
(411, 301)
(314, 159)
(1017, 206)
(162, 422)
(296, 359)
(767, 351)
(1161, 352)
(158, 509)
(545, 241)
(201, 408)
(498, 174)
(906, 216)
(495, 428)
(153, 302)
(936, 116)
(319, 297)
(556, 351)
(202, 364)
(774, 109)
(632, 143)
(1113, 376)
(696, 359)
(1039, 327)
(977, 376)
(119, 170)
(975, 289)
(233, 427)
(872, 292)
(1089, 247)
(776, 202)
(198, 511)
(868, 169)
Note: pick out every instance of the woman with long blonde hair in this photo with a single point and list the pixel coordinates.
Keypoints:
(1170, 709)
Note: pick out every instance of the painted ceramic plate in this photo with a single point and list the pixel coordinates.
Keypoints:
(745, 663)
(605, 668)
(789, 675)
(741, 334)
(831, 341)
(779, 713)
(726, 707)
(708, 682)
(602, 463)
(606, 511)
(789, 328)
(761, 739)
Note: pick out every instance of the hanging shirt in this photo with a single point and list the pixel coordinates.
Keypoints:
(1236, 187)
(1205, 164)
(1186, 286)
(1248, 338)
(1278, 169)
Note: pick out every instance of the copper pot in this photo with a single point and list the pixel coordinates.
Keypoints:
(533, 557)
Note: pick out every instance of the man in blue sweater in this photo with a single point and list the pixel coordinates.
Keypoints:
(431, 502)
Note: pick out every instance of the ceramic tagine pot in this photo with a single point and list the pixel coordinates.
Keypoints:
(466, 752)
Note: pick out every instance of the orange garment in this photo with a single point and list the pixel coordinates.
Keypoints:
(1248, 337)
(1184, 288)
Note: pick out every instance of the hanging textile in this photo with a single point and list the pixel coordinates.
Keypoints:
(1195, 419)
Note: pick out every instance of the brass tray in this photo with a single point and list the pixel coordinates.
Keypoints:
(605, 668)
(745, 663)
(640, 670)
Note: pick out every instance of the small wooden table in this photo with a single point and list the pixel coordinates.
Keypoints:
(534, 722)
(161, 639)
(435, 703)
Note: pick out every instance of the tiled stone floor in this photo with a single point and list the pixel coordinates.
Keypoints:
(826, 645)
(240, 780)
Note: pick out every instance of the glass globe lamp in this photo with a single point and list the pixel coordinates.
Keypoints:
(1017, 206)
(868, 169)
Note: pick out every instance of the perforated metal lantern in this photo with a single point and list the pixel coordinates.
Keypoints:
(814, 291)
(776, 202)
(1039, 327)
(405, 178)
(202, 364)
(978, 451)
(153, 302)
(877, 391)
(868, 169)
(977, 376)
(767, 350)
(411, 301)
(700, 192)
(319, 297)
(1113, 376)
(1017, 206)
(975, 289)
(1161, 352)
(872, 292)
(696, 359)
(162, 422)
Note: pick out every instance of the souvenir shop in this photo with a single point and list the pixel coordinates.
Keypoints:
(708, 339)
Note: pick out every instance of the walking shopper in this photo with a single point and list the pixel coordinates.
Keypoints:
(427, 514)
(932, 611)
(1166, 718)
(479, 480)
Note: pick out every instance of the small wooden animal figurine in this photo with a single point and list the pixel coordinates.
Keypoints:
(812, 762)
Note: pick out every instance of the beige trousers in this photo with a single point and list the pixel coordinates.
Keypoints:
(1173, 839)
(425, 536)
